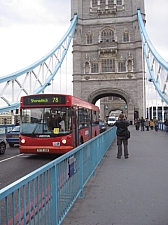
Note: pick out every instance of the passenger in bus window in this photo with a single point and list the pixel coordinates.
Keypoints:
(50, 122)
(59, 118)
(62, 123)
(56, 120)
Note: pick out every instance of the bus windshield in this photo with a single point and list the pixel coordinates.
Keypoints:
(54, 120)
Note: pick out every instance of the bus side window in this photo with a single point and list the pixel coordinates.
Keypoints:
(81, 117)
(93, 117)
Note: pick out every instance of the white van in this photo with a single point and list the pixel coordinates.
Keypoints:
(111, 120)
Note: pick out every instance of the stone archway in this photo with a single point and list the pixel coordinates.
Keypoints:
(104, 92)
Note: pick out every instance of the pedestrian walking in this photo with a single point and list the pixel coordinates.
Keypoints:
(122, 126)
(142, 121)
(151, 124)
(138, 123)
(156, 124)
(135, 123)
(166, 125)
(147, 124)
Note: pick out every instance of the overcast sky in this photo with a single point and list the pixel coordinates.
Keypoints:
(29, 29)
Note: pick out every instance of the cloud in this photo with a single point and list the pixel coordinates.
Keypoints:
(29, 30)
(156, 18)
(15, 12)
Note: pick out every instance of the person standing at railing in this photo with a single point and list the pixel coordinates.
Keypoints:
(122, 126)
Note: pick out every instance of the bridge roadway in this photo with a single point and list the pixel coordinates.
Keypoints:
(130, 191)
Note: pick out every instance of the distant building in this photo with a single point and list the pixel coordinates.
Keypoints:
(6, 118)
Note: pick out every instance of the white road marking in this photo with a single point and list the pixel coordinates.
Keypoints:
(11, 158)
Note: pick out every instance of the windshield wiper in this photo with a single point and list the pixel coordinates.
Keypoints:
(35, 128)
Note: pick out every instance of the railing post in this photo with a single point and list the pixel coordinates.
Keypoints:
(54, 191)
(81, 173)
(93, 156)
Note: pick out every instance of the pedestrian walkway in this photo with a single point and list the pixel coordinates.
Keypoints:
(130, 191)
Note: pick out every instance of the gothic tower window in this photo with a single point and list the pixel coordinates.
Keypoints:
(121, 67)
(107, 35)
(94, 67)
(89, 39)
(110, 2)
(86, 67)
(108, 65)
(119, 2)
(126, 37)
(129, 65)
(94, 3)
(102, 2)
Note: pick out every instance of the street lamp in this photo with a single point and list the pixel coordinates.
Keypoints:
(162, 110)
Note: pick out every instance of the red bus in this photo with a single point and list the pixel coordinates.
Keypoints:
(55, 123)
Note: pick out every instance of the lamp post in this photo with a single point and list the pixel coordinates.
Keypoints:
(162, 110)
(106, 107)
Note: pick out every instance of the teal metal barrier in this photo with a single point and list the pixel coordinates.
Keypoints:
(4, 128)
(46, 195)
(161, 126)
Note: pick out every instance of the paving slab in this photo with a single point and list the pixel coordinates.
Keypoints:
(131, 191)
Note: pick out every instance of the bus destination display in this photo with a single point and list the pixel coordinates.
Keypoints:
(44, 100)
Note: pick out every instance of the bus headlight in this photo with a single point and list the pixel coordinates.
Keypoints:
(23, 141)
(64, 141)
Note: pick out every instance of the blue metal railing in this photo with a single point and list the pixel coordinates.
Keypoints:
(5, 128)
(161, 126)
(46, 195)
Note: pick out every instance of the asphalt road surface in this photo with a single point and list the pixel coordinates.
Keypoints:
(14, 165)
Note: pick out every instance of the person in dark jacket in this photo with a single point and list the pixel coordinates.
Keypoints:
(142, 123)
(122, 125)
(166, 125)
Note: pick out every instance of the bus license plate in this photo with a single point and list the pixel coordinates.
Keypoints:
(43, 150)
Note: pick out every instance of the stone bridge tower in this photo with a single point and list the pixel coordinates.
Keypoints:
(107, 52)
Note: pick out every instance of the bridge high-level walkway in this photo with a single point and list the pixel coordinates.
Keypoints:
(131, 191)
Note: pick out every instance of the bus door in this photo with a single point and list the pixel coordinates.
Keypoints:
(75, 130)
(90, 124)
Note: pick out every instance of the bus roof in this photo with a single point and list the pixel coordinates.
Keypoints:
(46, 100)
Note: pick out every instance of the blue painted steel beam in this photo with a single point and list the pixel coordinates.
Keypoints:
(68, 35)
(42, 60)
(158, 58)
